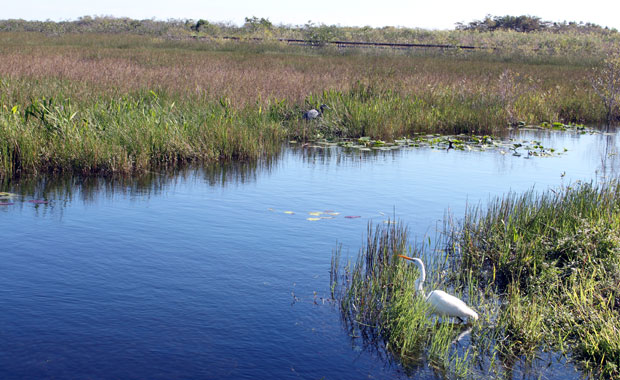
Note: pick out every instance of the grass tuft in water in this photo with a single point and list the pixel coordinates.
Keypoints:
(378, 303)
(542, 270)
(557, 257)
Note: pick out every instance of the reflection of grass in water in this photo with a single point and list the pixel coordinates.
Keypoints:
(87, 189)
(543, 271)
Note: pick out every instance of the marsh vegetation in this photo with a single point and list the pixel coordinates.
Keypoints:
(541, 269)
(105, 103)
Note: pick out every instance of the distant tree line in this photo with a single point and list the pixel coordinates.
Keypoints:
(98, 24)
(528, 24)
(264, 27)
(173, 27)
(252, 27)
(544, 38)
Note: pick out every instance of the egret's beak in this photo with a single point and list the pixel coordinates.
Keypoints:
(405, 257)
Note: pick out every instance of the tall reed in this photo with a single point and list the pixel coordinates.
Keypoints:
(379, 304)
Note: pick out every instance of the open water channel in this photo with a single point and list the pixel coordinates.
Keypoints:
(217, 273)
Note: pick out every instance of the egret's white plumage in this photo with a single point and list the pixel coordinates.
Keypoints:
(441, 302)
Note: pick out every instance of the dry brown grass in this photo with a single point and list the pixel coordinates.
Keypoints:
(245, 76)
(242, 79)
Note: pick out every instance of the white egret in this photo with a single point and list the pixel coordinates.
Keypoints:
(441, 302)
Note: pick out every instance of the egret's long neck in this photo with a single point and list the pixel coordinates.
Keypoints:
(419, 284)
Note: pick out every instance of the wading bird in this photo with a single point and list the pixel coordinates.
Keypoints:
(441, 302)
(313, 114)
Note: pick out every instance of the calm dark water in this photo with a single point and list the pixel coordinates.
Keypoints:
(201, 274)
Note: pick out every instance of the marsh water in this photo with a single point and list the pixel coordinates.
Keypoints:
(217, 272)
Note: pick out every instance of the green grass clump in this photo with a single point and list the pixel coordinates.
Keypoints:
(543, 271)
(557, 256)
(387, 114)
(378, 303)
(130, 133)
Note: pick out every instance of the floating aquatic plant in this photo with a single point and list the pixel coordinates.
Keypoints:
(456, 142)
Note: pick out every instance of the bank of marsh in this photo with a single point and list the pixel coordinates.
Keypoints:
(113, 103)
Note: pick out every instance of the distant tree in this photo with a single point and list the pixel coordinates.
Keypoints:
(527, 24)
(319, 34)
(580, 27)
(517, 23)
(254, 24)
(200, 25)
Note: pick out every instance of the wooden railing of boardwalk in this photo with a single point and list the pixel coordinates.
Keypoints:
(354, 44)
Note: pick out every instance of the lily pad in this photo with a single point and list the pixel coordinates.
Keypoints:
(313, 219)
(289, 212)
(352, 216)
(315, 213)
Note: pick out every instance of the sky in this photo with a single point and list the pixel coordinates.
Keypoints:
(427, 14)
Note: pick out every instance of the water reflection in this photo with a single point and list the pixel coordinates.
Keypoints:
(609, 158)
(567, 146)
(489, 362)
(64, 188)
(603, 147)
(335, 155)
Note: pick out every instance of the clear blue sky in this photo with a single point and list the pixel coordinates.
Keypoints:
(429, 14)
